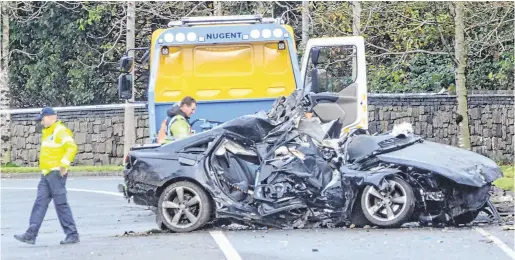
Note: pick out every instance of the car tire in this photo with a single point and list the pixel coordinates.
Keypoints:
(394, 209)
(194, 207)
(358, 219)
(465, 218)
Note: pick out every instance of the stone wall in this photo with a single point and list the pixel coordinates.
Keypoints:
(99, 133)
(491, 120)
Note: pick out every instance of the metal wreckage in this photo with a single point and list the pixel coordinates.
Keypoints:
(280, 168)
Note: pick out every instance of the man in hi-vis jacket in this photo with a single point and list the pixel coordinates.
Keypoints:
(58, 149)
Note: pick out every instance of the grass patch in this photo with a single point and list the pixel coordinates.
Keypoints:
(104, 168)
(506, 183)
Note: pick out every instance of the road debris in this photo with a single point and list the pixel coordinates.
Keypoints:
(510, 227)
(146, 233)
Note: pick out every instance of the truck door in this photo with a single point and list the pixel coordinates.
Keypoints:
(334, 74)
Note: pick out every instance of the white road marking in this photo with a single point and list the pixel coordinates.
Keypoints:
(226, 246)
(70, 189)
(104, 179)
(496, 241)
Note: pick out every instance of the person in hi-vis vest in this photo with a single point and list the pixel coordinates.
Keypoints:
(177, 126)
(58, 149)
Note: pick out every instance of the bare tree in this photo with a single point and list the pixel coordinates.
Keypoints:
(356, 18)
(356, 30)
(5, 147)
(260, 8)
(218, 9)
(129, 125)
(305, 23)
(460, 52)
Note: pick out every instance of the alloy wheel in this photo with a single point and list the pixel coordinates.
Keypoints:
(386, 205)
(182, 207)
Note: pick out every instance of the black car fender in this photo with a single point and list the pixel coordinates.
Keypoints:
(376, 178)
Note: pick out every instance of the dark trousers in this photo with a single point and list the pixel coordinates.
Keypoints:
(52, 186)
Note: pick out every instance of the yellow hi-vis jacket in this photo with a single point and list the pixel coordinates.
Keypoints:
(58, 149)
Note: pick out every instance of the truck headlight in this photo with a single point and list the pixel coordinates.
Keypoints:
(191, 36)
(180, 37)
(168, 37)
(266, 33)
(254, 34)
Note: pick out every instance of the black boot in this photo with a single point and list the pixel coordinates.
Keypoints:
(25, 238)
(71, 239)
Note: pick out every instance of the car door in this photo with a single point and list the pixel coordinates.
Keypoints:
(334, 77)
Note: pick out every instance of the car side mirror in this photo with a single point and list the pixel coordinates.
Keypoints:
(125, 86)
(126, 64)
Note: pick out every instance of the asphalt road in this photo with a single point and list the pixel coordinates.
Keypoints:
(102, 217)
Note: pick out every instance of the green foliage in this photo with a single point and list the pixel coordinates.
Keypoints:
(66, 53)
(418, 73)
(507, 182)
(9, 164)
(60, 73)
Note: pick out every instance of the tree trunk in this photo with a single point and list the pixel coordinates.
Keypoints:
(129, 125)
(460, 53)
(217, 5)
(260, 8)
(5, 37)
(356, 30)
(305, 24)
(356, 18)
(5, 119)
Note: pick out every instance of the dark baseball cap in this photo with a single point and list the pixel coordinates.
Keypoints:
(47, 111)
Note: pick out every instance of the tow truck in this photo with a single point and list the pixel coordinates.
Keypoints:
(238, 65)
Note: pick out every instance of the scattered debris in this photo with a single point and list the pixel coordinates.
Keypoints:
(146, 233)
(510, 227)
(504, 202)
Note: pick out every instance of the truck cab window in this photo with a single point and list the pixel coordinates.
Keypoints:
(336, 68)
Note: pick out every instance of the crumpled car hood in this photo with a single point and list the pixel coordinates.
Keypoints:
(460, 165)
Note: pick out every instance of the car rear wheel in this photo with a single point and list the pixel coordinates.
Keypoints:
(389, 208)
(184, 206)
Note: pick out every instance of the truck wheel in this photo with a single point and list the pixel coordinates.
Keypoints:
(391, 208)
(184, 206)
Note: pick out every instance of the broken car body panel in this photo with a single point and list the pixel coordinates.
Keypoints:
(462, 166)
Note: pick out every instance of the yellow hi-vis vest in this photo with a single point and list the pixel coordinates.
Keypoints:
(177, 128)
(58, 149)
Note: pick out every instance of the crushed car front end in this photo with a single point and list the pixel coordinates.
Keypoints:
(451, 185)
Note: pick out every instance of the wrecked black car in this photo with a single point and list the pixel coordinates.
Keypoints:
(283, 169)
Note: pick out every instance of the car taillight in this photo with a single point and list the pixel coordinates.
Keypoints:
(127, 162)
